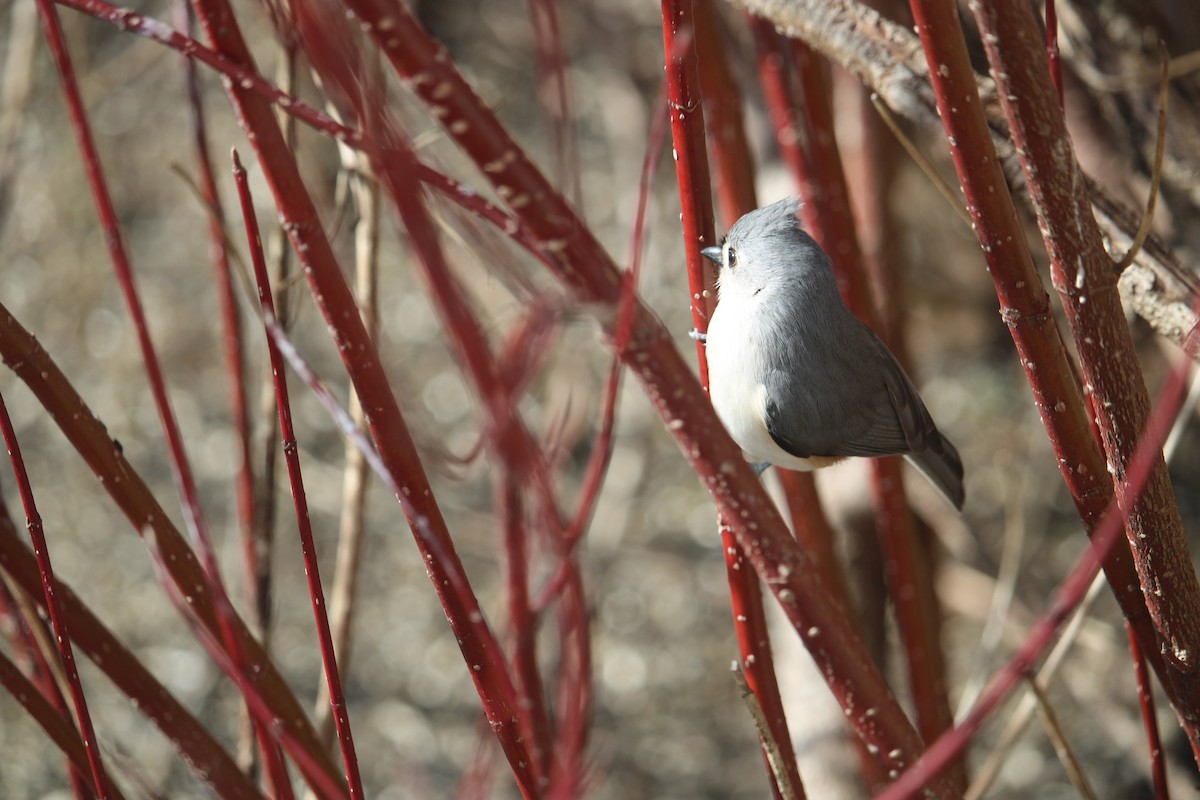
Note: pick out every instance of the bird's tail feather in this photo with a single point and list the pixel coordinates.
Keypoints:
(940, 463)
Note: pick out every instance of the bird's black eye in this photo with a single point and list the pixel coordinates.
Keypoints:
(730, 257)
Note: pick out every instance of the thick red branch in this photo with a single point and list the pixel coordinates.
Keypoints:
(805, 130)
(480, 649)
(583, 266)
(209, 760)
(686, 27)
(1024, 305)
(50, 593)
(1086, 283)
(30, 362)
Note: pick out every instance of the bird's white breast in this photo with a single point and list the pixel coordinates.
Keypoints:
(737, 334)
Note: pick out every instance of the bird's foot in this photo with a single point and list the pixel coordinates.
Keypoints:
(698, 336)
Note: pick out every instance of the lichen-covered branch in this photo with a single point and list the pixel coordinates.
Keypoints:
(887, 58)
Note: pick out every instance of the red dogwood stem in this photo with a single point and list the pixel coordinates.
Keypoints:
(683, 34)
(583, 266)
(62, 637)
(1086, 282)
(1024, 304)
(312, 568)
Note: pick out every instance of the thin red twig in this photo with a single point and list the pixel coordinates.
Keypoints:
(735, 181)
(211, 763)
(252, 507)
(57, 727)
(251, 81)
(29, 638)
(456, 580)
(684, 102)
(1068, 596)
(33, 522)
(508, 440)
(30, 651)
(597, 466)
(807, 134)
(231, 329)
(323, 784)
(1052, 53)
(507, 437)
(480, 649)
(574, 695)
(531, 708)
(180, 466)
(312, 569)
(808, 519)
(1145, 693)
(555, 96)
(733, 164)
(87, 434)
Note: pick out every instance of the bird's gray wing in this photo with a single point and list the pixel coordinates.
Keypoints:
(870, 409)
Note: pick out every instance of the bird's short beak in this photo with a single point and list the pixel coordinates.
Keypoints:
(713, 254)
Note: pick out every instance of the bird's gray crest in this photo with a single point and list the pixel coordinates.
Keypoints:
(771, 245)
(777, 219)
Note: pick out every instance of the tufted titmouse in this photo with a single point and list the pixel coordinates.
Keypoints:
(797, 379)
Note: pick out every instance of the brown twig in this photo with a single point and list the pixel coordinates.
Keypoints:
(1160, 145)
(351, 533)
(15, 91)
(774, 752)
(988, 771)
(1066, 754)
(926, 167)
